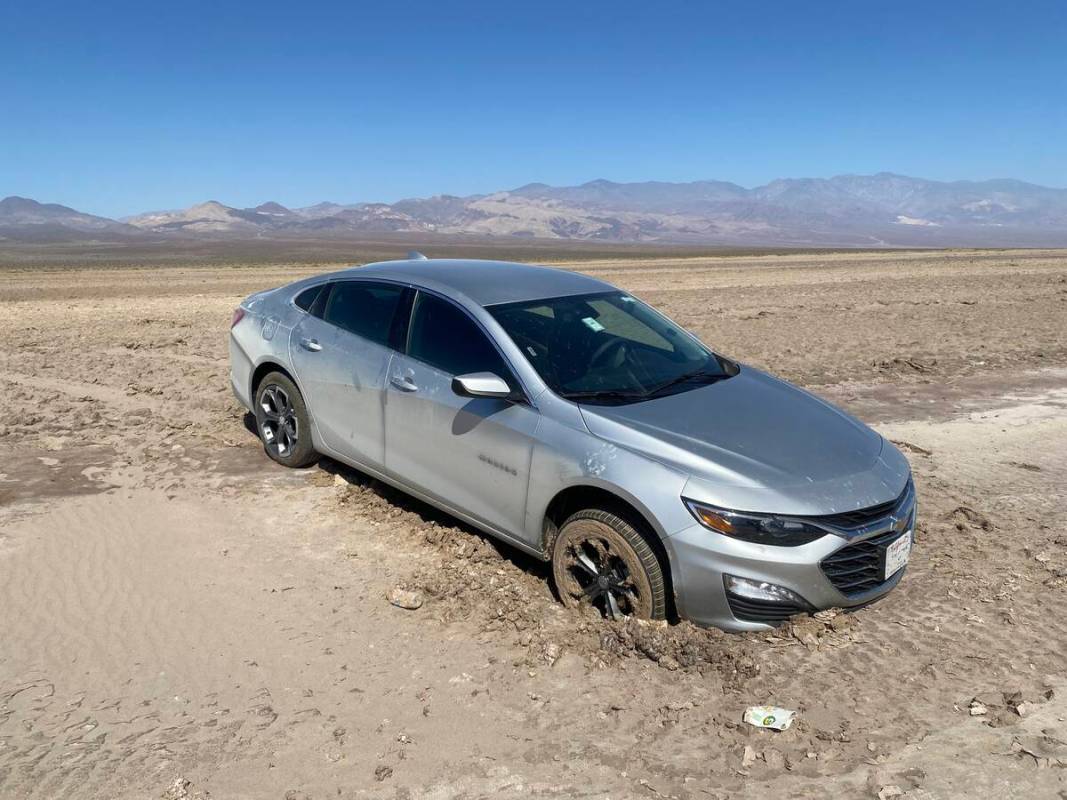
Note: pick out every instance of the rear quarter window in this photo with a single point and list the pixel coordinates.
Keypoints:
(364, 308)
(306, 299)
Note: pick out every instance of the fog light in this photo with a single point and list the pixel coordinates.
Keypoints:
(761, 590)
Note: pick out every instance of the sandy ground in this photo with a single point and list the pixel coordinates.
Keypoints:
(179, 617)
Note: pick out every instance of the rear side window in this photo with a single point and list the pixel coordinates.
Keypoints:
(444, 337)
(365, 309)
(306, 299)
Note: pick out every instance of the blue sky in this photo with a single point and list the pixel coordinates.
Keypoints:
(117, 107)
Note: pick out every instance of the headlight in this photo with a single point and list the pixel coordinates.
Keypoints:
(758, 528)
(762, 591)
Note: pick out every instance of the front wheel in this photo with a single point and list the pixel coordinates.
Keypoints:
(283, 423)
(601, 560)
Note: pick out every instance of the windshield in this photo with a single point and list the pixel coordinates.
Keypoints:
(607, 348)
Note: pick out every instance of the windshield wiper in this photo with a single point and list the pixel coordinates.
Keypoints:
(619, 394)
(606, 394)
(703, 373)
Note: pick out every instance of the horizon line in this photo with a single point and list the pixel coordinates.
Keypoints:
(294, 207)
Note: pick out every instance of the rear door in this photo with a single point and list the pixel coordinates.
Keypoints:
(471, 453)
(341, 354)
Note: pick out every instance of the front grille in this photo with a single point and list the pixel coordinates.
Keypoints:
(859, 567)
(749, 610)
(862, 516)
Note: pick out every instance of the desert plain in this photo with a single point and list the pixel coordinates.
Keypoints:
(182, 618)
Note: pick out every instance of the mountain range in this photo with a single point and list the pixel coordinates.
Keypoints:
(846, 210)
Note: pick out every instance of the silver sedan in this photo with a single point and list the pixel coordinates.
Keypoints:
(574, 422)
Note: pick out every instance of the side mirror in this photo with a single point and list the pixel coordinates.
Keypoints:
(481, 384)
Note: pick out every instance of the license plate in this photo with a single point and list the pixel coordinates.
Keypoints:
(896, 555)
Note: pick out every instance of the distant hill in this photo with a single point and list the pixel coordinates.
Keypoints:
(846, 210)
(28, 220)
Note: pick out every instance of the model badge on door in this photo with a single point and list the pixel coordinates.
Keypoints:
(493, 463)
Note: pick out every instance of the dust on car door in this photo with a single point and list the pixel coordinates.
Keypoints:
(471, 453)
(341, 353)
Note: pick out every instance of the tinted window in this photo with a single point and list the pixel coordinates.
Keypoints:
(365, 309)
(306, 299)
(443, 336)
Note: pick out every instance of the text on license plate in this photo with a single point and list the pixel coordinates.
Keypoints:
(896, 555)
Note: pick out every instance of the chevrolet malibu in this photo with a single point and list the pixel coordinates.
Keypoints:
(571, 420)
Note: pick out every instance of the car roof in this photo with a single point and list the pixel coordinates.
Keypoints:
(485, 282)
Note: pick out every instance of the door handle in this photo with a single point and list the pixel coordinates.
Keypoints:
(403, 384)
(311, 344)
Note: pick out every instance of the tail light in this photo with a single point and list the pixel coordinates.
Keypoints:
(238, 315)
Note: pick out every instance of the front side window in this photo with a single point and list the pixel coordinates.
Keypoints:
(363, 308)
(444, 337)
(608, 347)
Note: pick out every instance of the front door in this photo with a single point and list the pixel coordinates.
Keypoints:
(471, 453)
(341, 355)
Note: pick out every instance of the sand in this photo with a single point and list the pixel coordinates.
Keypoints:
(175, 607)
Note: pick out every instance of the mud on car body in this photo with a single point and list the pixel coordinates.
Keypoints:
(568, 418)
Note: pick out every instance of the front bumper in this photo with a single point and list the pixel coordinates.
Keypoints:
(700, 558)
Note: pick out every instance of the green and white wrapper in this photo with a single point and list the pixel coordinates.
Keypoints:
(777, 719)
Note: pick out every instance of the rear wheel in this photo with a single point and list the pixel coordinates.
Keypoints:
(600, 560)
(282, 422)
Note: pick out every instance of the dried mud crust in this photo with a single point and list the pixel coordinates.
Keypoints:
(120, 378)
(468, 579)
(468, 582)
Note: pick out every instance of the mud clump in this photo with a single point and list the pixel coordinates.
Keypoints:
(912, 448)
(181, 789)
(382, 772)
(966, 517)
(466, 584)
(499, 596)
(461, 544)
(904, 365)
(681, 646)
(465, 578)
(832, 627)
(404, 598)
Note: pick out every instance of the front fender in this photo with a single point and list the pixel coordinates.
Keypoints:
(565, 458)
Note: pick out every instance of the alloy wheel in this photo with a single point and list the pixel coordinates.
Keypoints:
(601, 572)
(278, 423)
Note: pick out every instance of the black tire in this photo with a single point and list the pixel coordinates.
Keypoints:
(283, 423)
(600, 560)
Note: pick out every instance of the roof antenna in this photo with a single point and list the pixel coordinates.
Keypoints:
(415, 255)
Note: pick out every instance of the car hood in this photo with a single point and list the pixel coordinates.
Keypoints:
(753, 442)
